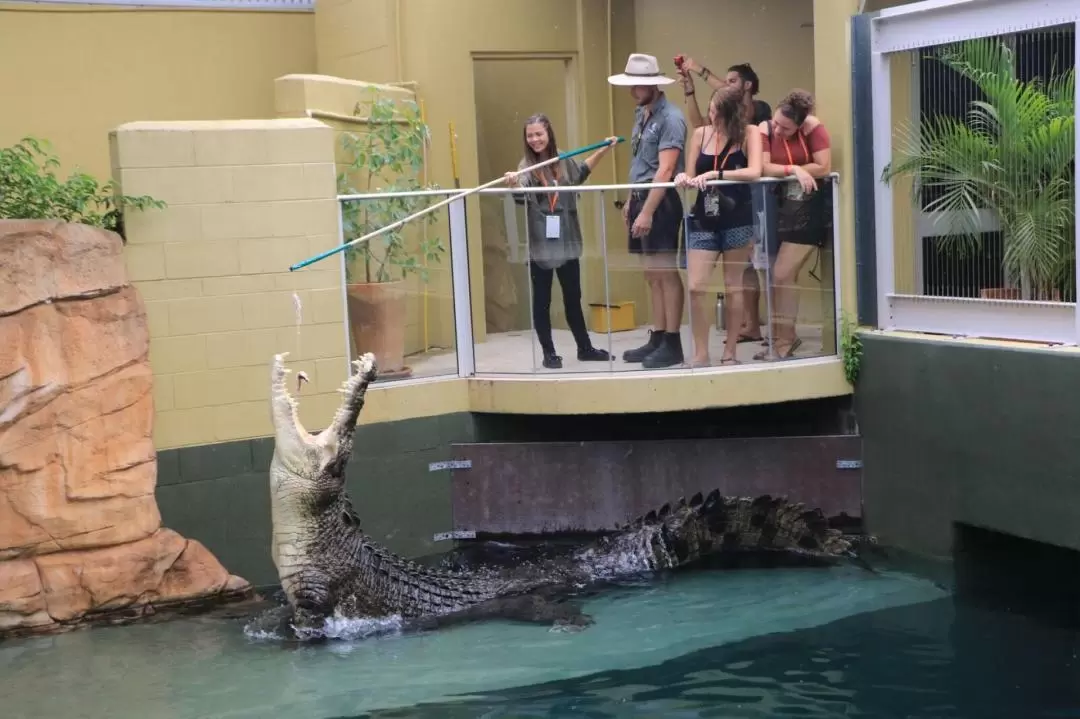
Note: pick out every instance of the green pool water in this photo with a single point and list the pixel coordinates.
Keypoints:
(838, 642)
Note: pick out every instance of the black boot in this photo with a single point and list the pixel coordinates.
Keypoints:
(552, 360)
(668, 354)
(656, 337)
(593, 354)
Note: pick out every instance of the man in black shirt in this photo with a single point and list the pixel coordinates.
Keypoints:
(741, 75)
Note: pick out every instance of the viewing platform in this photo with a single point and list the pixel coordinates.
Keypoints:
(489, 360)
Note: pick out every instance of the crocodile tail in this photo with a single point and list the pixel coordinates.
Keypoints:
(691, 530)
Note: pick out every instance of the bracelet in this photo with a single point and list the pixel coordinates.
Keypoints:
(788, 169)
(688, 94)
(719, 174)
(704, 72)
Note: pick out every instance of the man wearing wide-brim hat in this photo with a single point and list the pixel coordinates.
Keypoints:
(654, 217)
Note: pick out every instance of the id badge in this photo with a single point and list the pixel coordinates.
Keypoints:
(712, 204)
(553, 231)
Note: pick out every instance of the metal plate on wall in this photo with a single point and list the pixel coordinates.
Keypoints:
(525, 488)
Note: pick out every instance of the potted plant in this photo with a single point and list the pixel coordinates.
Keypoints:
(1013, 156)
(30, 190)
(387, 157)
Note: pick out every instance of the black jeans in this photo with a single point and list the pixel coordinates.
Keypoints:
(570, 281)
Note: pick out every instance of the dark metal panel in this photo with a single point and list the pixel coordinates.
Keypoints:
(862, 152)
(546, 487)
(953, 432)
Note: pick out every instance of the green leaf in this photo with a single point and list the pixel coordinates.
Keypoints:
(387, 156)
(30, 189)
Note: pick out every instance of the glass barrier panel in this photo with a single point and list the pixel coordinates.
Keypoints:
(629, 312)
(603, 296)
(399, 287)
(798, 255)
(567, 289)
(498, 244)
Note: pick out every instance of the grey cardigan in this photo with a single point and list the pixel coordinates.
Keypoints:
(553, 253)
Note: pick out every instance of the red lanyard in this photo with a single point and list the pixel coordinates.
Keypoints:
(715, 158)
(787, 148)
(554, 197)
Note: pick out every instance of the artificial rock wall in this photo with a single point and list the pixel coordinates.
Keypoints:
(80, 531)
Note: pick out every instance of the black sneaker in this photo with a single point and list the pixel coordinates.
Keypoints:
(640, 353)
(593, 354)
(552, 360)
(668, 354)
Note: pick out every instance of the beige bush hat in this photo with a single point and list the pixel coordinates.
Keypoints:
(641, 70)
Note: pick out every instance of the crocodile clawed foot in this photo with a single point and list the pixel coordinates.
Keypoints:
(308, 625)
(353, 389)
(571, 619)
(566, 615)
(573, 625)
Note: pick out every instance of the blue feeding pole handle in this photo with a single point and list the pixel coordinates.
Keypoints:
(587, 148)
(447, 201)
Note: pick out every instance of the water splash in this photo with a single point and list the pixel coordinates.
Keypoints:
(298, 311)
(274, 624)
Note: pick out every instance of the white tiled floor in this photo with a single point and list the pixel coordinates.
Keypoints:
(519, 353)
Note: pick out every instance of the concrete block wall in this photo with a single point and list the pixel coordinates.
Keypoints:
(246, 199)
(333, 101)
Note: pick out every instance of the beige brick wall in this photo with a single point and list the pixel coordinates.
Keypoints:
(246, 200)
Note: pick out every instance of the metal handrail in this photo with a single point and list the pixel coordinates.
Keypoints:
(835, 176)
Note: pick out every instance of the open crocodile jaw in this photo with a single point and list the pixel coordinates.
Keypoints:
(307, 472)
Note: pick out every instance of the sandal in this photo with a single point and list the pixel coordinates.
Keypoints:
(780, 355)
(764, 355)
(729, 360)
(794, 345)
(748, 338)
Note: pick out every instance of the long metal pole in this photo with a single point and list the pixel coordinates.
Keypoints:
(447, 201)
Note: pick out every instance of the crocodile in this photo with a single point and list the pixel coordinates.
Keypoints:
(328, 567)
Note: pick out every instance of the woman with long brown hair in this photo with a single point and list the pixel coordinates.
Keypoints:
(796, 145)
(722, 220)
(554, 234)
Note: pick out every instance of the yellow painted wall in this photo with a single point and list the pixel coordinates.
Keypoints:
(434, 43)
(502, 105)
(901, 69)
(72, 74)
(703, 29)
(832, 93)
(387, 40)
(720, 33)
(248, 198)
(245, 197)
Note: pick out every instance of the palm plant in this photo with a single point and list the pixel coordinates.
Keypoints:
(1014, 156)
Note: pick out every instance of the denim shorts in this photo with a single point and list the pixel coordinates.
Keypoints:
(721, 241)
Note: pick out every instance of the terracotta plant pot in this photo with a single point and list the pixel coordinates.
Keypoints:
(377, 325)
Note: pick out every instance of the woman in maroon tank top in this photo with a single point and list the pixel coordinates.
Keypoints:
(796, 144)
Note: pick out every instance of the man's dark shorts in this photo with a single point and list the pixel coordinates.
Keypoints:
(666, 224)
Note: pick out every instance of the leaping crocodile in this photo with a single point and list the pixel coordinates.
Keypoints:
(329, 567)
